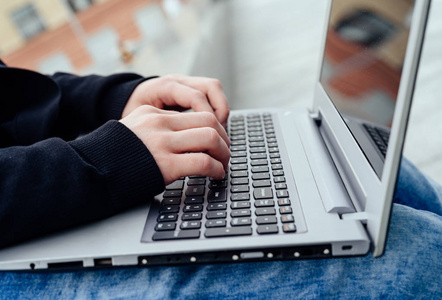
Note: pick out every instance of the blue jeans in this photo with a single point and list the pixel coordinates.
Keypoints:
(410, 268)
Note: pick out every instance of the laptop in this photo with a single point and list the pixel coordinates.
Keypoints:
(304, 183)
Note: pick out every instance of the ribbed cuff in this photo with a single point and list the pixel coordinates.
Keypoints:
(130, 169)
(117, 98)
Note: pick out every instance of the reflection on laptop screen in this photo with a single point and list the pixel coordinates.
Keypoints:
(363, 60)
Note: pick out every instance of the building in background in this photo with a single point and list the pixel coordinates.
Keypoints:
(71, 35)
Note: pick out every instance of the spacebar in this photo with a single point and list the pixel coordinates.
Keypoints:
(175, 235)
(232, 231)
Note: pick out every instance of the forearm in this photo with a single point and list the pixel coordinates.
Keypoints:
(54, 185)
(88, 102)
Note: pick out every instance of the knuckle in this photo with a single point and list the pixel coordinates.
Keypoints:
(205, 162)
(216, 82)
(211, 135)
(209, 119)
(198, 96)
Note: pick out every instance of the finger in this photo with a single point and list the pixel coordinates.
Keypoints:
(188, 164)
(184, 96)
(197, 120)
(213, 89)
(148, 109)
(201, 140)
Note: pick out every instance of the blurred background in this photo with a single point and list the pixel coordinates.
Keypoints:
(266, 52)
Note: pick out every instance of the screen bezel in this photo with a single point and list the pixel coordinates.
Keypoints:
(378, 193)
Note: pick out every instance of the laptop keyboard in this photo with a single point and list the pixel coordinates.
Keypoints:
(252, 199)
(380, 137)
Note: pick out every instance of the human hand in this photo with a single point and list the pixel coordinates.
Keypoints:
(199, 93)
(182, 144)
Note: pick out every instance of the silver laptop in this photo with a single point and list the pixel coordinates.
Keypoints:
(311, 183)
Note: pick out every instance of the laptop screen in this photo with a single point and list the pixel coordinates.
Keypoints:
(362, 66)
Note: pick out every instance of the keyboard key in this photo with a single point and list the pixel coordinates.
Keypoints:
(258, 156)
(239, 160)
(274, 155)
(261, 183)
(282, 193)
(196, 181)
(171, 201)
(280, 186)
(216, 214)
(216, 223)
(217, 206)
(241, 222)
(218, 184)
(279, 179)
(258, 150)
(169, 209)
(197, 190)
(239, 181)
(194, 200)
(287, 219)
(278, 173)
(257, 144)
(266, 229)
(241, 213)
(238, 142)
(264, 203)
(263, 193)
(276, 167)
(259, 162)
(255, 133)
(285, 210)
(193, 208)
(254, 128)
(176, 185)
(240, 196)
(239, 167)
(175, 235)
(239, 189)
(238, 154)
(265, 211)
(218, 195)
(190, 225)
(165, 226)
(229, 231)
(256, 139)
(289, 227)
(275, 161)
(240, 205)
(260, 169)
(284, 202)
(192, 216)
(238, 148)
(237, 131)
(238, 174)
(172, 194)
(260, 176)
(237, 137)
(167, 218)
(266, 220)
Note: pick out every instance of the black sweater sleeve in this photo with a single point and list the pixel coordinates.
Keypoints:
(48, 183)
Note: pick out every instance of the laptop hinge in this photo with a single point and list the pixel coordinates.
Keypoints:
(345, 171)
(333, 193)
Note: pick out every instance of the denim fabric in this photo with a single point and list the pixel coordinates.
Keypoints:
(411, 267)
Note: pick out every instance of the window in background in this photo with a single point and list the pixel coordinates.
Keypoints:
(28, 21)
(80, 5)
